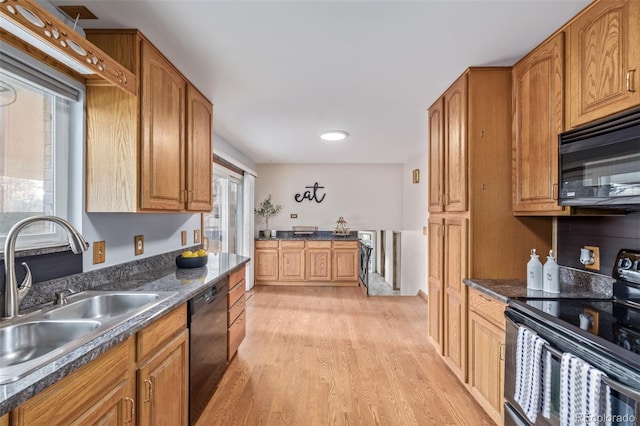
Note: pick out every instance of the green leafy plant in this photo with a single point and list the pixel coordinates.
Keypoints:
(266, 209)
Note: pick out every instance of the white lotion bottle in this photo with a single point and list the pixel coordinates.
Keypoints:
(551, 274)
(534, 272)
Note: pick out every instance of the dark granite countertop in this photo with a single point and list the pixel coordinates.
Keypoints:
(574, 284)
(315, 236)
(186, 282)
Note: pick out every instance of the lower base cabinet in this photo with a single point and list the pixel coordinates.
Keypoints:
(101, 392)
(236, 316)
(142, 380)
(486, 353)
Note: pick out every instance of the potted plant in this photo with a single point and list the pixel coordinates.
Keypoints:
(266, 209)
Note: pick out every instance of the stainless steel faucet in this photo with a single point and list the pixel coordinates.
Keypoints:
(13, 295)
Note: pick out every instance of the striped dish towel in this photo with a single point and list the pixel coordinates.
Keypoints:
(527, 394)
(583, 396)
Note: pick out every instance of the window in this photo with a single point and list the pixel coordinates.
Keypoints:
(37, 113)
(223, 226)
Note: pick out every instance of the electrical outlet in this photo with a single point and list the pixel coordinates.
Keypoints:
(98, 252)
(138, 244)
(183, 237)
(424, 230)
(596, 257)
(196, 236)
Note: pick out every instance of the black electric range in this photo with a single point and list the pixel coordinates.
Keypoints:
(613, 324)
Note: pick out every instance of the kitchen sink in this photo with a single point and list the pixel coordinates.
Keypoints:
(37, 338)
(28, 340)
(103, 305)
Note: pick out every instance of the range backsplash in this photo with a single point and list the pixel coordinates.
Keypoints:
(610, 233)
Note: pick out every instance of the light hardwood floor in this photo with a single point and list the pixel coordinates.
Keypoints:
(330, 356)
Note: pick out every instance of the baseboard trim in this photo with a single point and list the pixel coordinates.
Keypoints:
(424, 295)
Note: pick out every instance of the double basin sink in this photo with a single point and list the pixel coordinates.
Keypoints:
(33, 340)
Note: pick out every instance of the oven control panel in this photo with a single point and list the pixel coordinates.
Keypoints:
(627, 266)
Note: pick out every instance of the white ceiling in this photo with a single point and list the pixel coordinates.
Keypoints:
(281, 72)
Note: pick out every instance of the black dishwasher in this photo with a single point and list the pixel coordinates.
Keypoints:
(207, 313)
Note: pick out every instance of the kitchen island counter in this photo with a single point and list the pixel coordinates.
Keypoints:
(186, 282)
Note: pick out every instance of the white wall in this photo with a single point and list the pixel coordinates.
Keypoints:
(368, 196)
(414, 244)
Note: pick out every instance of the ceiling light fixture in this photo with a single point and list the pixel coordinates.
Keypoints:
(334, 135)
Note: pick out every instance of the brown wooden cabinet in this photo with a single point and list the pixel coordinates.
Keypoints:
(455, 296)
(163, 383)
(266, 261)
(436, 157)
(436, 291)
(163, 370)
(291, 261)
(466, 243)
(318, 261)
(101, 392)
(199, 151)
(345, 261)
(486, 352)
(603, 61)
(307, 262)
(151, 152)
(448, 146)
(236, 315)
(538, 118)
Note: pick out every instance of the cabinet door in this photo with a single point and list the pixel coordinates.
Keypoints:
(266, 265)
(604, 60)
(100, 392)
(162, 151)
(319, 264)
(113, 409)
(163, 392)
(199, 159)
(486, 365)
(345, 264)
(436, 157)
(436, 314)
(291, 264)
(538, 87)
(455, 119)
(455, 298)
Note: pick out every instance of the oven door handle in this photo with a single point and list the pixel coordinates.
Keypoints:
(613, 384)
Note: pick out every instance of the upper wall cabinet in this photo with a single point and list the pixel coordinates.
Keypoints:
(603, 61)
(538, 81)
(150, 152)
(448, 150)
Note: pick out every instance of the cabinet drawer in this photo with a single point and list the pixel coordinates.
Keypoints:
(236, 310)
(345, 244)
(154, 336)
(235, 294)
(319, 244)
(236, 334)
(291, 244)
(487, 307)
(235, 277)
(266, 244)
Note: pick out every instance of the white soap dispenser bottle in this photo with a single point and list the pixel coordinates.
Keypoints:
(534, 272)
(551, 274)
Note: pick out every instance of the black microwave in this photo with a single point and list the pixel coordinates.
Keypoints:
(599, 163)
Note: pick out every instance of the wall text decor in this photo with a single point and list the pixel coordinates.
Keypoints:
(311, 195)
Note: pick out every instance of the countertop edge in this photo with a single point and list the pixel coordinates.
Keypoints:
(59, 368)
(486, 290)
